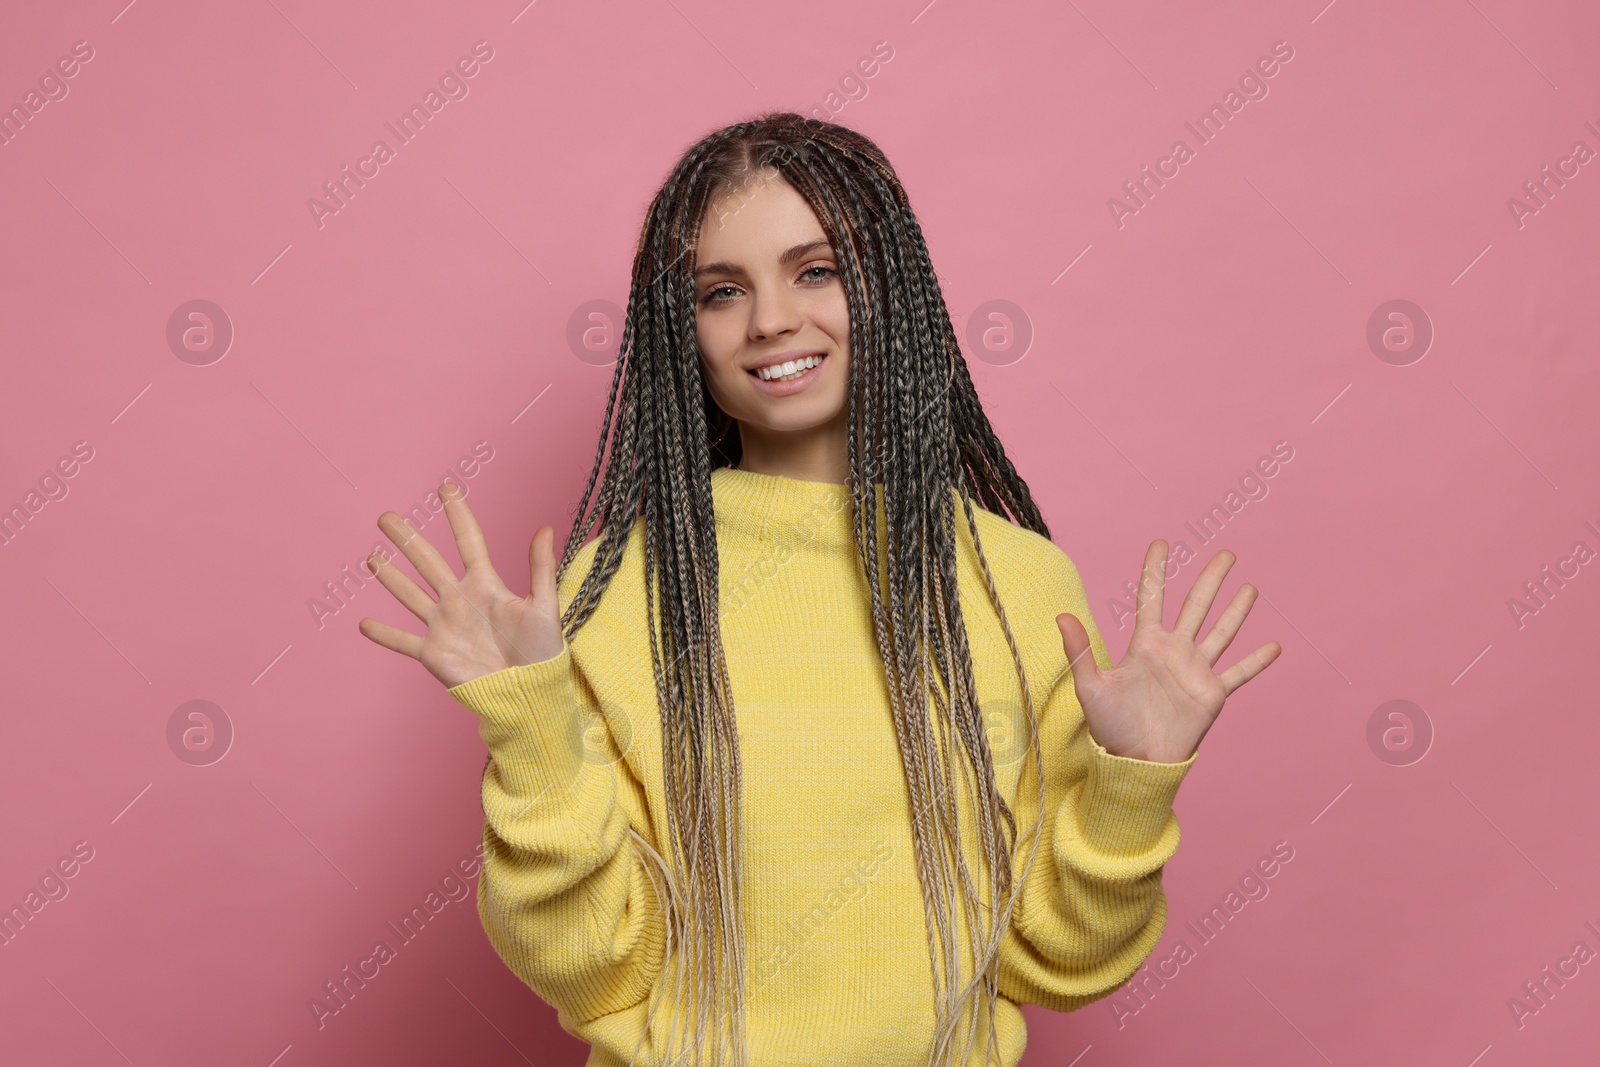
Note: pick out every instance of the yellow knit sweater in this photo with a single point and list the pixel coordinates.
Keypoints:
(839, 971)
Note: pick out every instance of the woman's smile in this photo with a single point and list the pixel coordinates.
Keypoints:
(787, 373)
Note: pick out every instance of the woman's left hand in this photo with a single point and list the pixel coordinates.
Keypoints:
(1161, 699)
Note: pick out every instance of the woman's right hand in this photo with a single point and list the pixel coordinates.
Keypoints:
(477, 625)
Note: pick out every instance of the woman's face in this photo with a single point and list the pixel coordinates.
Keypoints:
(768, 291)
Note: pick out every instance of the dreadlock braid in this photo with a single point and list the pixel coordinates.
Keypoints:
(916, 432)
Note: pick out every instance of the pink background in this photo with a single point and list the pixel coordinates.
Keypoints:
(371, 353)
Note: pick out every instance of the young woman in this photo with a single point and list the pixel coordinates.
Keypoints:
(724, 778)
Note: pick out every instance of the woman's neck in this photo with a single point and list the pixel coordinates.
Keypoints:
(816, 454)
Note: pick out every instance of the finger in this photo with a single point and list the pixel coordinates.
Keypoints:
(392, 637)
(1216, 642)
(1152, 582)
(542, 568)
(1249, 667)
(470, 544)
(400, 584)
(1198, 603)
(433, 567)
(1075, 641)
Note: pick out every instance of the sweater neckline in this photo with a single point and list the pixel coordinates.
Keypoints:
(774, 507)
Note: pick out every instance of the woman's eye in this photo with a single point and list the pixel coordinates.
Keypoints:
(818, 275)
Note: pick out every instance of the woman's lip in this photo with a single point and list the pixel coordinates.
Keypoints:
(794, 385)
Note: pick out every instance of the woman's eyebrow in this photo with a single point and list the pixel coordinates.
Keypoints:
(797, 252)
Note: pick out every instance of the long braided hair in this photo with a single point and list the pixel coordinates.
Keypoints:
(916, 433)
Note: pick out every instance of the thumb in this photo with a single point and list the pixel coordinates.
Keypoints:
(542, 568)
(1075, 640)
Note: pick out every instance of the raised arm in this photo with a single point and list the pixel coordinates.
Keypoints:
(1092, 907)
(1116, 743)
(565, 897)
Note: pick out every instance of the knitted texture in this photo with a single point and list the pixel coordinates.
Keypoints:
(835, 935)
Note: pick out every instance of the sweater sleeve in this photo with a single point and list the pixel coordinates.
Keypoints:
(564, 895)
(1092, 907)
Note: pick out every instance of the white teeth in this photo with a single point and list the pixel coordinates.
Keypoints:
(792, 369)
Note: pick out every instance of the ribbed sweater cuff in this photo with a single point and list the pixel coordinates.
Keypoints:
(529, 719)
(1125, 803)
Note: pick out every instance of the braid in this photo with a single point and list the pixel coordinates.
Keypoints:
(916, 432)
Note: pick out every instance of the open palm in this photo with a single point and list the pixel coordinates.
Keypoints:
(1161, 699)
(477, 625)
